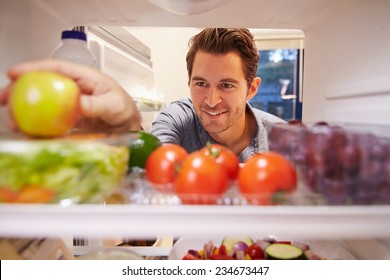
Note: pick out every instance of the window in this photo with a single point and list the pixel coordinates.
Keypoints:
(280, 68)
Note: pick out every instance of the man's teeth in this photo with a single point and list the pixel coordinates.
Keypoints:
(214, 113)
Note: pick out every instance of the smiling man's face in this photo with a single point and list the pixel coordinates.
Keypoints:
(219, 91)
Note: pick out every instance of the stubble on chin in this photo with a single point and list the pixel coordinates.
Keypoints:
(213, 126)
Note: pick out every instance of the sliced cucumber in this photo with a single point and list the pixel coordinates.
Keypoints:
(280, 251)
(230, 241)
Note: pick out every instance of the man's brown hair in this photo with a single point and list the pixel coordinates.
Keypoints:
(223, 41)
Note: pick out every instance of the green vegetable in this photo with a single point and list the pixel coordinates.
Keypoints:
(77, 171)
(281, 251)
(141, 148)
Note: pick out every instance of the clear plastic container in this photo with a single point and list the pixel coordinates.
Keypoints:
(79, 168)
(138, 190)
(336, 164)
(74, 48)
(344, 163)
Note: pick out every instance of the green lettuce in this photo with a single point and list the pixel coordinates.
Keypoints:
(79, 171)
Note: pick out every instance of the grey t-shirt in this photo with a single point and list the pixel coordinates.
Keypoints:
(178, 123)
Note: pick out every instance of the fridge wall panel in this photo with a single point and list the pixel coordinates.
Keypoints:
(346, 71)
(26, 33)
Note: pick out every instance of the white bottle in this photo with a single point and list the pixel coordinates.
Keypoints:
(74, 48)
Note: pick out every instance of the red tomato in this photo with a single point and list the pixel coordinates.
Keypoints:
(265, 174)
(201, 180)
(162, 165)
(255, 252)
(224, 157)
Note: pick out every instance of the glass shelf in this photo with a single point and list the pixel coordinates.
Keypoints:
(139, 221)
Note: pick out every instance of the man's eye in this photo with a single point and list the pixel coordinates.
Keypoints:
(226, 85)
(200, 84)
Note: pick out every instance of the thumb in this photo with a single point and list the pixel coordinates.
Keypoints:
(92, 106)
(108, 108)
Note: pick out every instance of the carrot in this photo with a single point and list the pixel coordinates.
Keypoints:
(34, 194)
(7, 195)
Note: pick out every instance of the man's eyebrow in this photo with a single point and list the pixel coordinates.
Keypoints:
(229, 80)
(198, 78)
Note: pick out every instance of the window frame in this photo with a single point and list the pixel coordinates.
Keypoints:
(270, 39)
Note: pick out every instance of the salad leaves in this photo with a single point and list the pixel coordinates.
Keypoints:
(76, 170)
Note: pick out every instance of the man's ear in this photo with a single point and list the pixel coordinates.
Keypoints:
(253, 88)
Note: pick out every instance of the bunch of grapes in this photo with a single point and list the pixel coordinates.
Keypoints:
(345, 167)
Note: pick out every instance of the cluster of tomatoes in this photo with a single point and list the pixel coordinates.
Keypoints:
(203, 176)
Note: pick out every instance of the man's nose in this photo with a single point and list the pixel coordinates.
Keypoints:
(213, 97)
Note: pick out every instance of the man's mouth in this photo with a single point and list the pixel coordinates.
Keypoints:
(214, 113)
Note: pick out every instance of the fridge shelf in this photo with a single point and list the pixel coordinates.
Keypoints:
(138, 221)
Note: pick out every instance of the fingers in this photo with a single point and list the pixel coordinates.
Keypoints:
(87, 78)
(12, 125)
(4, 93)
(116, 109)
(113, 108)
(69, 69)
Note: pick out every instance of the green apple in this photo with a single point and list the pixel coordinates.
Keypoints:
(44, 104)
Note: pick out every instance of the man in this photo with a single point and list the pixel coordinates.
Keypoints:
(221, 65)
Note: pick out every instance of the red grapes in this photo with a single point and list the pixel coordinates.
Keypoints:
(344, 166)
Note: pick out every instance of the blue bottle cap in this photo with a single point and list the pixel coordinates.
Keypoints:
(72, 34)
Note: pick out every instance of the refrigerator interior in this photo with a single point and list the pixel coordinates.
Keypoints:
(346, 79)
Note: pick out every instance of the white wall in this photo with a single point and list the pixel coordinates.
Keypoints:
(169, 48)
(347, 65)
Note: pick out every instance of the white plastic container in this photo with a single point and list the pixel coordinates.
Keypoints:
(74, 48)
